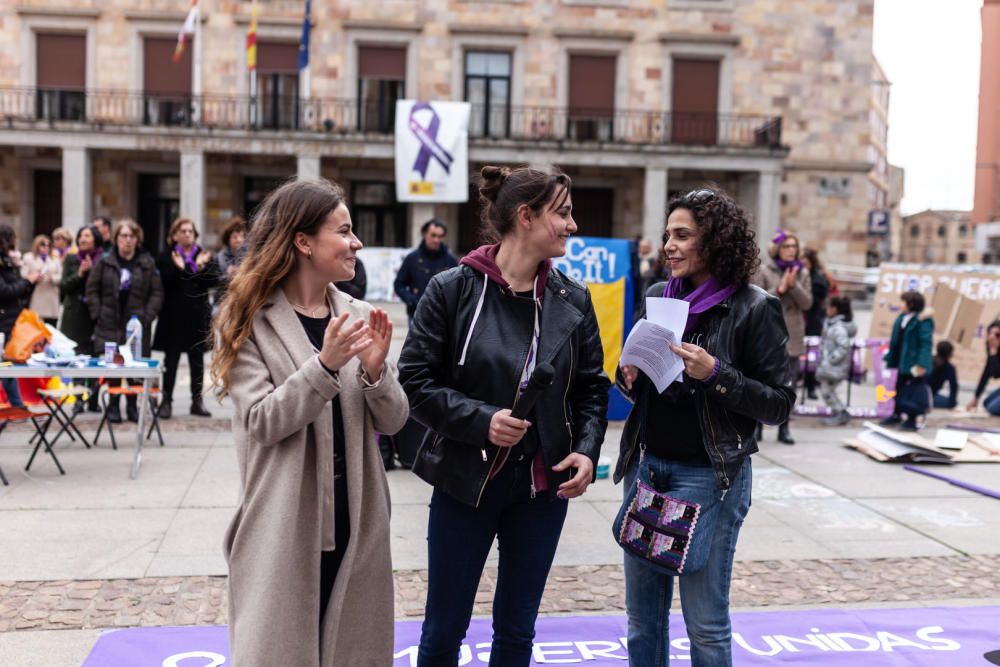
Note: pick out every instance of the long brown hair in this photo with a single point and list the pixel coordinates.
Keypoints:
(296, 206)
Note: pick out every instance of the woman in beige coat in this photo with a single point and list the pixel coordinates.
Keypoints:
(44, 260)
(785, 278)
(310, 574)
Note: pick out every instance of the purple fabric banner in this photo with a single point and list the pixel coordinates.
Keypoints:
(914, 637)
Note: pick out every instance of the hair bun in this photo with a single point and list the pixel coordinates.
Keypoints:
(493, 179)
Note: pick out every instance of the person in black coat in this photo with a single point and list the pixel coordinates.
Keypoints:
(15, 293)
(943, 372)
(429, 259)
(816, 314)
(188, 274)
(358, 285)
(475, 340)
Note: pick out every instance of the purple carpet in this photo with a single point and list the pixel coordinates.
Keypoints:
(912, 637)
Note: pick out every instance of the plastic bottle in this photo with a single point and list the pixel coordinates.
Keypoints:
(133, 333)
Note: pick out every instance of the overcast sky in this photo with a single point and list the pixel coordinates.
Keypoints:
(929, 50)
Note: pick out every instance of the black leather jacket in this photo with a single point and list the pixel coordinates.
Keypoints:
(456, 402)
(747, 333)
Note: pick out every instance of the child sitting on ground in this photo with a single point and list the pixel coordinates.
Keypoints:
(943, 371)
(835, 357)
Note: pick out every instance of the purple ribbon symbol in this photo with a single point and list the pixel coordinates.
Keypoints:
(427, 136)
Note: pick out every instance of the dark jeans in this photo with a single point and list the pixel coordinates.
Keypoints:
(196, 360)
(458, 541)
(13, 392)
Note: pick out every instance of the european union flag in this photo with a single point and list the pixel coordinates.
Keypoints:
(304, 42)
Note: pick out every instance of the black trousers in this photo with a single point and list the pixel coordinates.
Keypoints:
(196, 360)
(330, 561)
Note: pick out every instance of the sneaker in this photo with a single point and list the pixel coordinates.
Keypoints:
(890, 421)
(909, 425)
(843, 418)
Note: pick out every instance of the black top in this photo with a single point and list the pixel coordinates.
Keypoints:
(315, 328)
(942, 373)
(526, 448)
(990, 371)
(125, 286)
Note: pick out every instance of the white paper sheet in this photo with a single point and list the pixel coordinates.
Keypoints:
(670, 314)
(648, 349)
(948, 438)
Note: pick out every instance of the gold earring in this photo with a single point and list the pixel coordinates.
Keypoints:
(309, 253)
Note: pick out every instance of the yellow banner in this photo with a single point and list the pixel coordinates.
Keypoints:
(609, 304)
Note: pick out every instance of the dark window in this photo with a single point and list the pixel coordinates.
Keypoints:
(166, 85)
(487, 89)
(963, 230)
(61, 76)
(593, 210)
(591, 97)
(915, 231)
(381, 81)
(942, 231)
(48, 200)
(379, 220)
(961, 258)
(278, 85)
(255, 189)
(159, 206)
(694, 116)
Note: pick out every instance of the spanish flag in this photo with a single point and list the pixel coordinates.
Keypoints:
(252, 39)
(187, 29)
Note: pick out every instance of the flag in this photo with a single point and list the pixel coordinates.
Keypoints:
(304, 42)
(186, 29)
(252, 39)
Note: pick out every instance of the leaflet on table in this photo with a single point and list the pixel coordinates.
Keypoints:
(648, 349)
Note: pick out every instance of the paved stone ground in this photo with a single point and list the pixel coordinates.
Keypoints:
(55, 605)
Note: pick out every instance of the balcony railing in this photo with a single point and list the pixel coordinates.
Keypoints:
(345, 116)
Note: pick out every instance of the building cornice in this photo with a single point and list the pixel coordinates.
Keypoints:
(85, 13)
(724, 39)
(586, 33)
(375, 24)
(470, 29)
(176, 17)
(828, 165)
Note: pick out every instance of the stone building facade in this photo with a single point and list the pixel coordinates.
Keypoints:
(938, 237)
(635, 99)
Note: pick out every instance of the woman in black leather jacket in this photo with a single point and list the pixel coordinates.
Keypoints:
(693, 441)
(475, 339)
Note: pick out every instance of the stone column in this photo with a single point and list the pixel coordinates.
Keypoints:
(77, 189)
(193, 189)
(654, 205)
(309, 167)
(768, 207)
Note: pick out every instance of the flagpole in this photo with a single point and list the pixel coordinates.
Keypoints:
(197, 58)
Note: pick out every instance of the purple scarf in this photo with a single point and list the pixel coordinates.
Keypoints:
(785, 265)
(94, 254)
(706, 296)
(189, 258)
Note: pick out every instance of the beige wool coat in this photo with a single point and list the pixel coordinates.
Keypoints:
(794, 303)
(283, 428)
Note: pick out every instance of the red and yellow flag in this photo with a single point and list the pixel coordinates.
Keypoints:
(252, 39)
(187, 29)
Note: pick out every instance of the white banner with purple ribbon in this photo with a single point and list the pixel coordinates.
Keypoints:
(432, 151)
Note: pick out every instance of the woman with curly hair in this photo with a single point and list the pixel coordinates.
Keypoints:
(694, 441)
(787, 278)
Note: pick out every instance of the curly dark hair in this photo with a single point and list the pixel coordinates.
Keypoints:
(728, 241)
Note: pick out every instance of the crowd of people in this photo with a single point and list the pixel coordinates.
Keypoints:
(89, 285)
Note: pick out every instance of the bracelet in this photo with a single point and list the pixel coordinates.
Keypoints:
(715, 372)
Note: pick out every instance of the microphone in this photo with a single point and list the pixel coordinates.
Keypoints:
(540, 380)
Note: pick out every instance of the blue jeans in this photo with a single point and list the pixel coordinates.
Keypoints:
(992, 402)
(942, 402)
(13, 392)
(459, 538)
(704, 594)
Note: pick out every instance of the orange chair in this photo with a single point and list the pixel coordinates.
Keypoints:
(129, 390)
